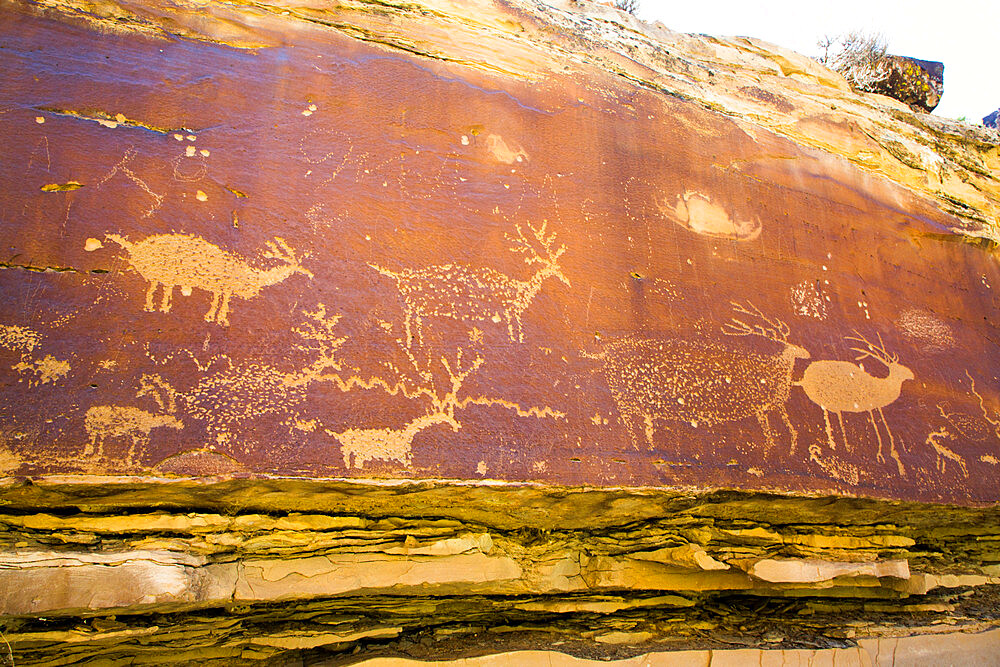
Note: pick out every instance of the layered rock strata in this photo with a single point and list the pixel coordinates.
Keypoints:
(438, 329)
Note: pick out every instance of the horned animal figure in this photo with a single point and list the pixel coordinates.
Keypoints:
(358, 446)
(841, 386)
(703, 383)
(122, 421)
(186, 261)
(469, 294)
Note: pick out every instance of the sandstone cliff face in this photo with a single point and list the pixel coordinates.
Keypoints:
(313, 301)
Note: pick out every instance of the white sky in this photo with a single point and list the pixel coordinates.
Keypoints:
(963, 34)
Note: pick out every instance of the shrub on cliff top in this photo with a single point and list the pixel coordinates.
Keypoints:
(860, 58)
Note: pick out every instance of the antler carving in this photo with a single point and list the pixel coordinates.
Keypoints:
(523, 245)
(877, 352)
(775, 330)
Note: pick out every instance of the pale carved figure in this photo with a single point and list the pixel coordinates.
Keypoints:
(474, 295)
(944, 454)
(188, 262)
(134, 424)
(358, 446)
(843, 386)
(703, 383)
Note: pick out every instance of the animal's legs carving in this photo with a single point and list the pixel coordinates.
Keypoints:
(791, 429)
(222, 317)
(843, 431)
(168, 293)
(830, 440)
(210, 315)
(871, 415)
(150, 291)
(765, 426)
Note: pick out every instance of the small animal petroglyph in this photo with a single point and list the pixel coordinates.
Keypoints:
(48, 369)
(358, 446)
(698, 213)
(703, 383)
(477, 295)
(842, 386)
(186, 261)
(122, 421)
(943, 453)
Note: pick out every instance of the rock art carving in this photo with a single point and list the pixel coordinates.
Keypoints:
(994, 420)
(123, 421)
(475, 295)
(945, 454)
(698, 213)
(808, 300)
(358, 446)
(122, 166)
(45, 370)
(186, 261)
(842, 386)
(18, 339)
(926, 329)
(703, 383)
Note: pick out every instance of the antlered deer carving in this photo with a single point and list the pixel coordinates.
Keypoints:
(842, 386)
(703, 383)
(477, 295)
(186, 261)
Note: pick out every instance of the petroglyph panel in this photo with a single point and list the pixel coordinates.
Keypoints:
(345, 260)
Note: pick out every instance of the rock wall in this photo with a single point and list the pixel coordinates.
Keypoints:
(453, 306)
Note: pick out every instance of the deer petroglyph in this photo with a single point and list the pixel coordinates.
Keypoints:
(475, 295)
(842, 386)
(945, 454)
(358, 446)
(124, 421)
(186, 261)
(703, 383)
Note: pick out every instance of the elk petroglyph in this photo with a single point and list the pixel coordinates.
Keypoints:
(842, 386)
(703, 383)
(476, 295)
(186, 261)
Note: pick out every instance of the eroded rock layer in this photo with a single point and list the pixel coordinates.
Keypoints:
(575, 272)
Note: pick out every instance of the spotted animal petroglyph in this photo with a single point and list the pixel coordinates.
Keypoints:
(842, 386)
(477, 295)
(18, 339)
(698, 213)
(703, 383)
(186, 261)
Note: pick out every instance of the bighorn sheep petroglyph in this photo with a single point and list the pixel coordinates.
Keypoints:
(703, 383)
(186, 261)
(842, 386)
(468, 294)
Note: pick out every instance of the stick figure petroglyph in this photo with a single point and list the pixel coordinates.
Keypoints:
(186, 261)
(476, 295)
